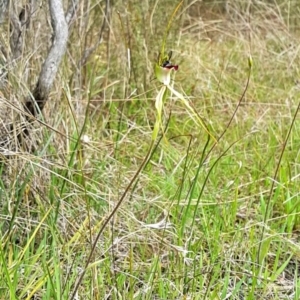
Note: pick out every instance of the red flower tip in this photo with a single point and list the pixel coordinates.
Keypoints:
(170, 66)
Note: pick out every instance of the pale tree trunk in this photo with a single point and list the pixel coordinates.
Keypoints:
(17, 114)
(40, 94)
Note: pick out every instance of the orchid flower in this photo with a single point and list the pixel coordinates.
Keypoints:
(163, 71)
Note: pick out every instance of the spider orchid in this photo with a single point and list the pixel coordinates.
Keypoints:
(163, 71)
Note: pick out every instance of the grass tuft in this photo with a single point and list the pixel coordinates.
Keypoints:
(102, 210)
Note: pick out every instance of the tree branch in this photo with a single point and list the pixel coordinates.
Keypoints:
(71, 10)
(49, 70)
(18, 24)
(88, 52)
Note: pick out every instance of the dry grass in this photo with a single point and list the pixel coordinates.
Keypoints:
(187, 229)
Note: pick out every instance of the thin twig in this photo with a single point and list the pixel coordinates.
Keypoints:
(88, 52)
(273, 185)
(71, 11)
(109, 218)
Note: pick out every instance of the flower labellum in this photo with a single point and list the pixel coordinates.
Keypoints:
(163, 69)
(167, 64)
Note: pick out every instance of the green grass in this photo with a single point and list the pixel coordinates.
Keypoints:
(198, 222)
